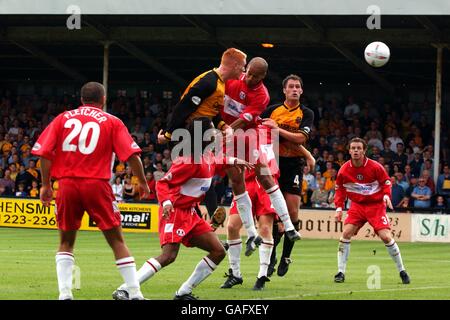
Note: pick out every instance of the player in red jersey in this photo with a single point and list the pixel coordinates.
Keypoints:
(245, 100)
(179, 193)
(77, 149)
(367, 185)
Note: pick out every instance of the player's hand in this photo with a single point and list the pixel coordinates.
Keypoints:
(338, 214)
(311, 163)
(272, 124)
(145, 190)
(167, 210)
(161, 137)
(46, 195)
(388, 202)
(241, 165)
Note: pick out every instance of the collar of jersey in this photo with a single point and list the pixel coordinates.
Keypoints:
(293, 108)
(215, 70)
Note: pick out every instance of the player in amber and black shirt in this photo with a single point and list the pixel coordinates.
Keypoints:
(293, 122)
(204, 96)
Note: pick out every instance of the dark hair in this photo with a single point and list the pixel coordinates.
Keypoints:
(358, 140)
(292, 77)
(92, 92)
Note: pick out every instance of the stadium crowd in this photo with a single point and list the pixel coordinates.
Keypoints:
(400, 136)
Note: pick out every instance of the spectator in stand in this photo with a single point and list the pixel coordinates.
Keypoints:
(440, 206)
(34, 192)
(166, 161)
(387, 153)
(120, 169)
(351, 109)
(21, 192)
(159, 173)
(443, 184)
(416, 164)
(7, 182)
(400, 158)
(373, 140)
(331, 181)
(401, 180)
(117, 188)
(375, 154)
(25, 178)
(429, 182)
(319, 197)
(129, 190)
(428, 166)
(398, 193)
(148, 164)
(422, 195)
(395, 139)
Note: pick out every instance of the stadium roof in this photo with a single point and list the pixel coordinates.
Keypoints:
(174, 48)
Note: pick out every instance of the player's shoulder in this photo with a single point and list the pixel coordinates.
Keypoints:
(271, 108)
(306, 110)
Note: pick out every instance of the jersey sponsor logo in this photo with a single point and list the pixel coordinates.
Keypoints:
(360, 177)
(36, 146)
(364, 189)
(168, 228)
(248, 117)
(242, 95)
(232, 107)
(196, 100)
(195, 187)
(180, 232)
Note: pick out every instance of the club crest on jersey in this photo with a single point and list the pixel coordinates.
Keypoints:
(242, 95)
(180, 232)
(360, 177)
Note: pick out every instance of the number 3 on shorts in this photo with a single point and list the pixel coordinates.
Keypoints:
(296, 181)
(384, 219)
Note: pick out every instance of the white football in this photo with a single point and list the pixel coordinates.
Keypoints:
(377, 54)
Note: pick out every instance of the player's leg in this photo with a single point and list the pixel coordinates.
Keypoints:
(277, 234)
(243, 201)
(216, 253)
(293, 201)
(344, 250)
(276, 198)
(265, 223)
(234, 249)
(124, 262)
(64, 263)
(394, 252)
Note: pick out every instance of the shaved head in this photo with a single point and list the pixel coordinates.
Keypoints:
(256, 71)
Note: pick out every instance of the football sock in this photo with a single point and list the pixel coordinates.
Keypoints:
(127, 269)
(203, 269)
(279, 204)
(342, 255)
(288, 245)
(265, 251)
(64, 268)
(394, 252)
(234, 256)
(148, 269)
(244, 207)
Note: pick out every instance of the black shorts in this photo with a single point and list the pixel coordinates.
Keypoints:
(291, 175)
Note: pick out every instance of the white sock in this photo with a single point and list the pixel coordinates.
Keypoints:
(343, 253)
(244, 207)
(203, 269)
(394, 252)
(265, 251)
(127, 269)
(64, 268)
(279, 204)
(149, 268)
(234, 256)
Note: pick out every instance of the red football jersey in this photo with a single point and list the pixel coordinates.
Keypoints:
(366, 184)
(81, 143)
(244, 102)
(185, 184)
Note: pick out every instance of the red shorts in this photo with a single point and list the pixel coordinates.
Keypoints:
(95, 196)
(261, 203)
(375, 214)
(183, 225)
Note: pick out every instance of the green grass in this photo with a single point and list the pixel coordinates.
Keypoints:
(27, 270)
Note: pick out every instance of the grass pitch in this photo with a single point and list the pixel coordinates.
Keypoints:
(28, 272)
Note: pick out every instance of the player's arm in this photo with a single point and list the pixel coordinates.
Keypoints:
(190, 102)
(252, 111)
(386, 186)
(340, 196)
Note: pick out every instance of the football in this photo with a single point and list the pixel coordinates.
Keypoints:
(377, 54)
